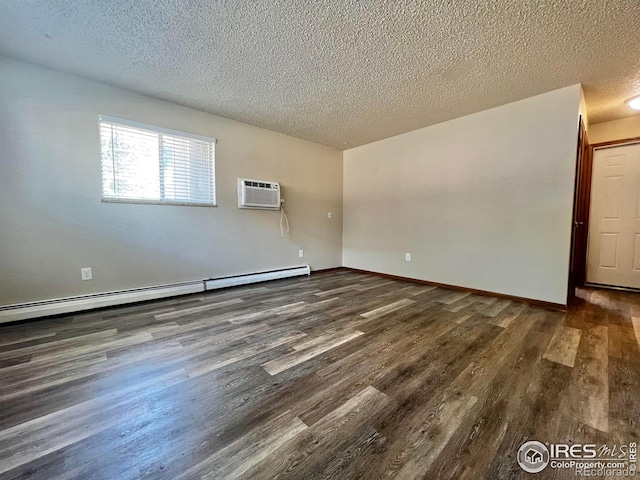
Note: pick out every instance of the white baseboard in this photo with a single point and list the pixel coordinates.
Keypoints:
(58, 306)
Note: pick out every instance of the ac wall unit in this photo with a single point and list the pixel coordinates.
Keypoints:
(260, 194)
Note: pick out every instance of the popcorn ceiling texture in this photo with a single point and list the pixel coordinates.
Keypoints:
(343, 70)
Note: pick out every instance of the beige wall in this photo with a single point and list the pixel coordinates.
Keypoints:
(615, 130)
(582, 110)
(52, 221)
(483, 201)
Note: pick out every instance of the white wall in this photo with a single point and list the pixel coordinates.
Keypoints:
(52, 221)
(615, 130)
(483, 201)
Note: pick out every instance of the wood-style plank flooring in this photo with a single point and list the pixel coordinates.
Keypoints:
(336, 375)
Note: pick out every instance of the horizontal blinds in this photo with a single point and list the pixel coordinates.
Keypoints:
(157, 166)
(154, 128)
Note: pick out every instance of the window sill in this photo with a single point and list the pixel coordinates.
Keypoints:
(156, 202)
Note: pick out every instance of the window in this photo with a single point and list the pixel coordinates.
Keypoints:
(146, 164)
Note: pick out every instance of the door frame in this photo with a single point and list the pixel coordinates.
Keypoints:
(581, 211)
(616, 143)
(580, 216)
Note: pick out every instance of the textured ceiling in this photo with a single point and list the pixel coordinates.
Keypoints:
(338, 71)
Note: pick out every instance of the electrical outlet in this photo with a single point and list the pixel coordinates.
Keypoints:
(300, 253)
(86, 273)
(329, 215)
(407, 257)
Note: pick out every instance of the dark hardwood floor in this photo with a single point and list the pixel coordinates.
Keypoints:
(337, 375)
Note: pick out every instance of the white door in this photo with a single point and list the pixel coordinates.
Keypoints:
(614, 222)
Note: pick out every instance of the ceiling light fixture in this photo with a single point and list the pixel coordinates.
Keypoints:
(634, 102)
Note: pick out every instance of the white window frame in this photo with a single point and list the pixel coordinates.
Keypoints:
(160, 130)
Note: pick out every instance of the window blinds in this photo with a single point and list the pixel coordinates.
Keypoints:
(147, 164)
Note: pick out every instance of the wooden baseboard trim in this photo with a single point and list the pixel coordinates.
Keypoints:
(538, 303)
(327, 270)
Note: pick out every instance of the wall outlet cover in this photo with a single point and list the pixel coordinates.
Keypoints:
(86, 273)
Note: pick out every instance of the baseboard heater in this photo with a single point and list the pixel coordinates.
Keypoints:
(215, 283)
(58, 306)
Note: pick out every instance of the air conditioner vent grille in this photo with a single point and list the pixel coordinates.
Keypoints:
(258, 194)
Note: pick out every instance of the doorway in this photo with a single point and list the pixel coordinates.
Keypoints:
(582, 195)
(613, 258)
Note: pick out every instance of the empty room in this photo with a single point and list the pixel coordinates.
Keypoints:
(319, 240)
